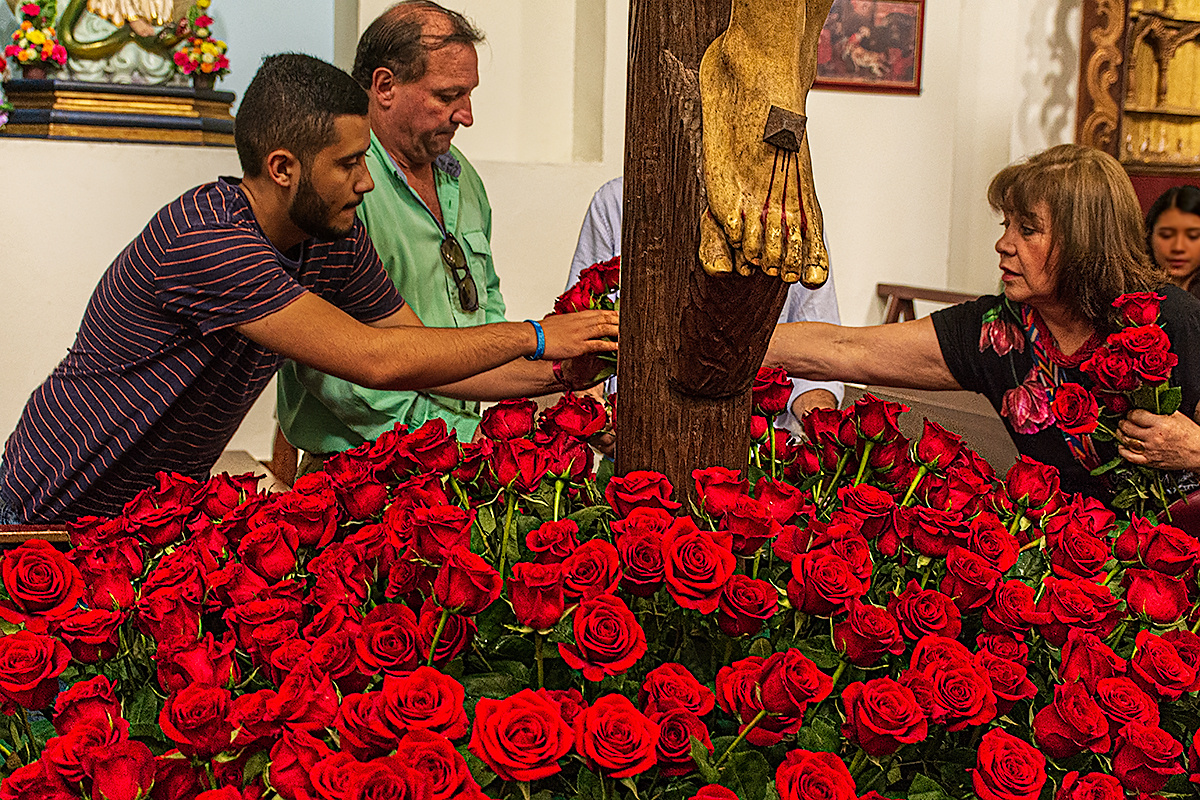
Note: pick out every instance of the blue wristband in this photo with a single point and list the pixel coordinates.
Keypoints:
(541, 341)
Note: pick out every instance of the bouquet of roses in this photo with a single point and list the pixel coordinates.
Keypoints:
(598, 287)
(435, 620)
(1132, 369)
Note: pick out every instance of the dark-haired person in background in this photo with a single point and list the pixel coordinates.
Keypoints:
(418, 63)
(1173, 235)
(192, 319)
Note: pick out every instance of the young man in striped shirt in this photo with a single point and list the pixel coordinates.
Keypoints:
(192, 319)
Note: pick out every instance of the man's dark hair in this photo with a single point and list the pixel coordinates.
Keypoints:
(397, 40)
(291, 104)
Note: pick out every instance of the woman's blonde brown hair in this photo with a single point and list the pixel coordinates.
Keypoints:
(1095, 226)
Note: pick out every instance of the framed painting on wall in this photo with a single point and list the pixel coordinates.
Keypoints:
(872, 46)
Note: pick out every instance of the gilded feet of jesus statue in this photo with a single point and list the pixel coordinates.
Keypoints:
(754, 80)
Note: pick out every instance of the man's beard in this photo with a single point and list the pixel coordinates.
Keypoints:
(312, 214)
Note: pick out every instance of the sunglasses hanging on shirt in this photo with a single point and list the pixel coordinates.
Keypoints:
(456, 260)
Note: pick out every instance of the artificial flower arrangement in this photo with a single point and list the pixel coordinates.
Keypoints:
(435, 620)
(200, 52)
(34, 41)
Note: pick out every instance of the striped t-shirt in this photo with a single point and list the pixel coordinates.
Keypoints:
(158, 377)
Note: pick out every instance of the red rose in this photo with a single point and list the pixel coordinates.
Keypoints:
(1157, 668)
(435, 531)
(362, 728)
(955, 696)
(751, 525)
(29, 668)
(155, 524)
(1112, 371)
(1087, 659)
(866, 634)
(1007, 768)
(969, 579)
(471, 458)
(937, 446)
(1075, 409)
(713, 792)
(567, 458)
(195, 719)
(521, 737)
(175, 778)
(822, 583)
(745, 605)
(934, 532)
(1071, 724)
(183, 662)
(871, 505)
(771, 391)
(1012, 610)
(331, 776)
(593, 569)
(641, 555)
(1156, 365)
(718, 488)
(671, 685)
(388, 641)
(518, 464)
(64, 755)
(789, 681)
(293, 757)
(93, 699)
(1145, 757)
(615, 738)
(1123, 702)
(387, 777)
(553, 541)
(41, 584)
(877, 420)
(804, 775)
(1093, 786)
(430, 448)
(91, 635)
(1160, 598)
(306, 699)
(569, 701)
(639, 489)
(696, 564)
(922, 612)
(108, 571)
(121, 771)
(425, 699)
(608, 638)
(1078, 554)
(677, 728)
(1169, 550)
(782, 500)
(1138, 308)
(1010, 680)
(458, 632)
(358, 490)
(1003, 646)
(443, 768)
(576, 415)
(315, 516)
(536, 592)
(882, 716)
(270, 550)
(31, 782)
(1077, 603)
(466, 584)
(508, 419)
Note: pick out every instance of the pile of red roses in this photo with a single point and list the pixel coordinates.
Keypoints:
(858, 617)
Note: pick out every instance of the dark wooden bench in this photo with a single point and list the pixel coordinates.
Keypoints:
(899, 299)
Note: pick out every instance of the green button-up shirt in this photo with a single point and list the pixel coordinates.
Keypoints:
(322, 414)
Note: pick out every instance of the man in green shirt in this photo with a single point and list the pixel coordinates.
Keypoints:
(430, 221)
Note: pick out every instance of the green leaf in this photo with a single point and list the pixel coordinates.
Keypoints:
(255, 765)
(142, 712)
(480, 771)
(1169, 400)
(761, 648)
(747, 775)
(1103, 468)
(925, 788)
(496, 685)
(703, 761)
(486, 519)
(588, 786)
(819, 736)
(587, 517)
(1144, 397)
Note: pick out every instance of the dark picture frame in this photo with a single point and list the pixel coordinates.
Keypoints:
(872, 46)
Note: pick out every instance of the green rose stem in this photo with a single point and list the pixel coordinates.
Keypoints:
(771, 433)
(862, 466)
(857, 763)
(524, 787)
(912, 487)
(558, 490)
(437, 634)
(508, 523)
(538, 641)
(1162, 495)
(1016, 524)
(603, 787)
(1035, 543)
(1196, 627)
(757, 719)
(462, 495)
(838, 474)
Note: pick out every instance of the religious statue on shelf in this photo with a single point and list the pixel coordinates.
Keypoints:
(122, 41)
(754, 79)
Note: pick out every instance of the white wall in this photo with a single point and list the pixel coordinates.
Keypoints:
(901, 179)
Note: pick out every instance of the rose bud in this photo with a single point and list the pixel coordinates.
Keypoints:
(466, 584)
(536, 592)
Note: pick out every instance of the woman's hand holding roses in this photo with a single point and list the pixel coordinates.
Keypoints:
(1153, 440)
